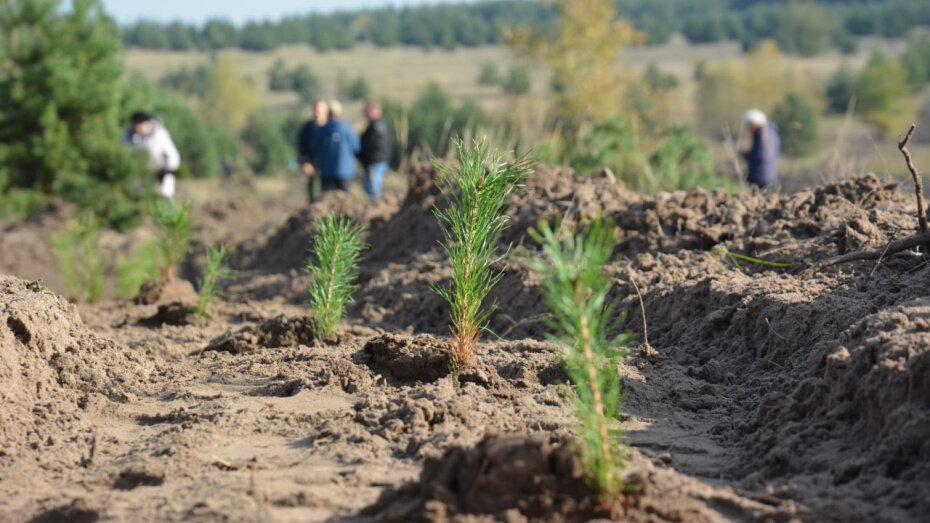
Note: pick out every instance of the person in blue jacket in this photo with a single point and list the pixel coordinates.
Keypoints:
(333, 148)
(762, 157)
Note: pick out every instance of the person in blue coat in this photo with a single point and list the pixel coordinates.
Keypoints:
(333, 148)
(762, 157)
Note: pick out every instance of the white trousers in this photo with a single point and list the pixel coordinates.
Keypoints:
(166, 186)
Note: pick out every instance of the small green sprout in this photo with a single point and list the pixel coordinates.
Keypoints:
(575, 286)
(333, 269)
(174, 231)
(216, 271)
(80, 261)
(471, 226)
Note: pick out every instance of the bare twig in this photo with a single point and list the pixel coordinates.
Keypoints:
(894, 247)
(918, 183)
(880, 258)
(642, 309)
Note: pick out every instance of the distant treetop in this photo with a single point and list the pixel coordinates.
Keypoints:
(799, 26)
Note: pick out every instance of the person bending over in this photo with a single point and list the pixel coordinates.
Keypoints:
(146, 132)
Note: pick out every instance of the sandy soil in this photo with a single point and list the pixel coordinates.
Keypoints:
(766, 394)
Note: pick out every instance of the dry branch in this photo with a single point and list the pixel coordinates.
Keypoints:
(922, 238)
(918, 182)
(642, 309)
(894, 247)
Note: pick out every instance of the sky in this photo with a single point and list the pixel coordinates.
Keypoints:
(197, 11)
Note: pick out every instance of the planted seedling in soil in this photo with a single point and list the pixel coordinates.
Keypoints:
(77, 250)
(136, 270)
(471, 226)
(575, 287)
(174, 231)
(333, 269)
(214, 272)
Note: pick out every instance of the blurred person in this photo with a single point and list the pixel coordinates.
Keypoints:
(146, 132)
(333, 148)
(762, 157)
(305, 154)
(376, 150)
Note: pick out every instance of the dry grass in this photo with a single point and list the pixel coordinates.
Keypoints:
(401, 73)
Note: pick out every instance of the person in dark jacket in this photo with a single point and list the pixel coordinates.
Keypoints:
(304, 153)
(762, 157)
(333, 148)
(376, 150)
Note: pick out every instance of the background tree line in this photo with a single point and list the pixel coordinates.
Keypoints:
(802, 27)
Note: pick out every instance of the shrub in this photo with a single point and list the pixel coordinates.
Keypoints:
(301, 79)
(575, 286)
(174, 231)
(840, 89)
(215, 271)
(916, 61)
(471, 225)
(337, 248)
(489, 74)
(77, 250)
(357, 89)
(676, 158)
(434, 119)
(798, 125)
(518, 80)
(269, 149)
(880, 91)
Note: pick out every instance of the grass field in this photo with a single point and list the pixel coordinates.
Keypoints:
(401, 73)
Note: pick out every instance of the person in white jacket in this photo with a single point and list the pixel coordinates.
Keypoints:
(146, 132)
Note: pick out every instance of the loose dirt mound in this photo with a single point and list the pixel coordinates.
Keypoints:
(164, 291)
(51, 368)
(539, 478)
(768, 394)
(280, 331)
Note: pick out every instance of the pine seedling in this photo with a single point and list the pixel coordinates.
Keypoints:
(471, 226)
(215, 272)
(134, 271)
(575, 287)
(174, 224)
(80, 262)
(333, 269)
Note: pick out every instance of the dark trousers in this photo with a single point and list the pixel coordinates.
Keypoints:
(314, 188)
(335, 184)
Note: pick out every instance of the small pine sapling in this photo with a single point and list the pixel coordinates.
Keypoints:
(471, 225)
(575, 287)
(174, 231)
(136, 270)
(214, 272)
(333, 269)
(80, 262)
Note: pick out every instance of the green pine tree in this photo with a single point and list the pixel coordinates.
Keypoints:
(60, 132)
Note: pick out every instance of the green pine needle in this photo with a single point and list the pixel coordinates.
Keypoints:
(215, 272)
(575, 287)
(471, 226)
(333, 269)
(80, 261)
(174, 232)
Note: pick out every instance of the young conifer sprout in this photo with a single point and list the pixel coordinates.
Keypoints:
(214, 272)
(333, 268)
(174, 224)
(575, 287)
(471, 225)
(80, 261)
